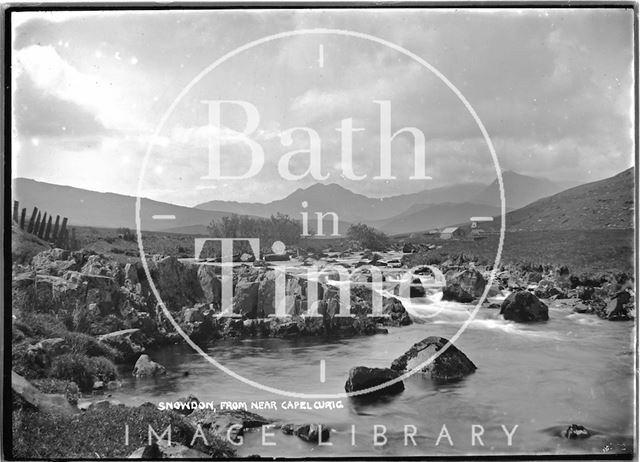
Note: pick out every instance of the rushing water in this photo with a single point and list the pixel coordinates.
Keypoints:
(542, 377)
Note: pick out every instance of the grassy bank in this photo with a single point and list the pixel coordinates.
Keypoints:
(100, 433)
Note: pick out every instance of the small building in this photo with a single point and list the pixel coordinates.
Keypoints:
(451, 233)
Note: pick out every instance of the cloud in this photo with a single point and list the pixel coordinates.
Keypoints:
(43, 114)
(56, 78)
(554, 89)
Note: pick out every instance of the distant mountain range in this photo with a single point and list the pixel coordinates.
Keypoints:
(602, 204)
(352, 207)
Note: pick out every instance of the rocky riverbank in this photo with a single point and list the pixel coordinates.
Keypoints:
(78, 314)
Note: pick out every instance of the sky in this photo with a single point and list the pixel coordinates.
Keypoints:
(553, 88)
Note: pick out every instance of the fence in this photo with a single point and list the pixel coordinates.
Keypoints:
(41, 225)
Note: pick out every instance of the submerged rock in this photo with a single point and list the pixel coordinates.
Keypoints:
(145, 367)
(523, 306)
(362, 378)
(451, 365)
(312, 433)
(575, 432)
(416, 289)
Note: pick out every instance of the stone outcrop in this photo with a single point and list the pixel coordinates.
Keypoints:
(449, 366)
(464, 286)
(618, 308)
(245, 300)
(210, 283)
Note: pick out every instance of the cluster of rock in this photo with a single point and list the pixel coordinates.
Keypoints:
(114, 302)
(433, 357)
(607, 295)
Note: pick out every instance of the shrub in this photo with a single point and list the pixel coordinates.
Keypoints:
(24, 364)
(368, 237)
(62, 387)
(39, 325)
(127, 234)
(87, 345)
(77, 368)
(104, 369)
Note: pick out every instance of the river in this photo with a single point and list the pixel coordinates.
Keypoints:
(542, 377)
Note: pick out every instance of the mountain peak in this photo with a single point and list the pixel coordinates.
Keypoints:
(326, 187)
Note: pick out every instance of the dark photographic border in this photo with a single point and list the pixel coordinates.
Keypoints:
(6, 320)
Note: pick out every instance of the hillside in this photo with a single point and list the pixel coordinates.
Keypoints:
(519, 190)
(106, 210)
(604, 204)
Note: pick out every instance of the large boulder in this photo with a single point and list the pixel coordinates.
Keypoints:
(449, 366)
(145, 367)
(362, 378)
(523, 306)
(31, 396)
(576, 432)
(618, 308)
(464, 286)
(396, 311)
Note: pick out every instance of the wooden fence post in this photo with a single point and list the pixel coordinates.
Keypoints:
(36, 226)
(65, 239)
(32, 221)
(48, 230)
(23, 216)
(55, 229)
(16, 208)
(63, 232)
(43, 224)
